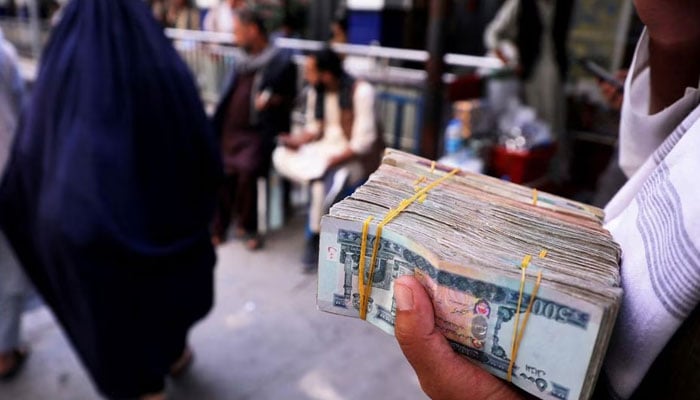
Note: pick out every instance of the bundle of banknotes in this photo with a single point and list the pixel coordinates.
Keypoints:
(525, 284)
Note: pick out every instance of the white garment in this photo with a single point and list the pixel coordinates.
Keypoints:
(220, 19)
(311, 161)
(637, 147)
(655, 218)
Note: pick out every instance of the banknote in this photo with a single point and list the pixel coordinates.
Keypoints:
(465, 243)
(473, 310)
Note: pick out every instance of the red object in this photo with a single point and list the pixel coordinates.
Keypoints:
(521, 166)
(465, 87)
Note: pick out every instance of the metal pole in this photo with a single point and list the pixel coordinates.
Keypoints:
(435, 67)
(320, 17)
(35, 27)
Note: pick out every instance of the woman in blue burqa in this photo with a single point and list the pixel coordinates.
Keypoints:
(109, 192)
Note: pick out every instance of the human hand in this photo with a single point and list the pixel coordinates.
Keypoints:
(613, 95)
(443, 374)
(289, 141)
(262, 100)
(502, 56)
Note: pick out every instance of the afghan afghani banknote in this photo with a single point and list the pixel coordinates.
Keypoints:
(475, 310)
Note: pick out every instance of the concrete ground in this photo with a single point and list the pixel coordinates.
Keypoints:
(264, 339)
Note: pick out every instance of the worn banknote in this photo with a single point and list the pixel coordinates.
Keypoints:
(474, 310)
(544, 323)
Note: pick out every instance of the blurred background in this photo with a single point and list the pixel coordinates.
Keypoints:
(443, 91)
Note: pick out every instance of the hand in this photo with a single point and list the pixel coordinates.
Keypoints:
(261, 101)
(288, 141)
(342, 158)
(334, 161)
(501, 56)
(443, 374)
(612, 94)
(295, 141)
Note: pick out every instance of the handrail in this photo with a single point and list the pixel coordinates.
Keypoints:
(200, 36)
(391, 53)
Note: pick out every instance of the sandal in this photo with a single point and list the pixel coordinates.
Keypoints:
(183, 364)
(20, 356)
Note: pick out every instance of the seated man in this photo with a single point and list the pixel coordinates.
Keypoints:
(341, 141)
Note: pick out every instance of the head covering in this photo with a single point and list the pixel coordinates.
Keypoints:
(109, 192)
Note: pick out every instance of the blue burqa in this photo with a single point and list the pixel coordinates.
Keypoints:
(109, 192)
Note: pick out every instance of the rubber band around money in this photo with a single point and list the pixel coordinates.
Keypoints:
(419, 180)
(528, 312)
(543, 253)
(366, 289)
(363, 250)
(535, 197)
(432, 167)
(518, 331)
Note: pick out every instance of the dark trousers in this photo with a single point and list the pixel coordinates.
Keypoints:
(238, 196)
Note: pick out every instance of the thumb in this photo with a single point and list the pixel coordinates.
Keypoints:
(442, 373)
(424, 346)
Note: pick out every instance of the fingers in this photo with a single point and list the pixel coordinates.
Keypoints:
(443, 374)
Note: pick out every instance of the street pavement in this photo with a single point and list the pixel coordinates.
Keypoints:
(264, 339)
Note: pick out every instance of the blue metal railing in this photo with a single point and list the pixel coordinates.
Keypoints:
(402, 104)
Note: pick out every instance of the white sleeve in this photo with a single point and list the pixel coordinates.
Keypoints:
(364, 127)
(503, 29)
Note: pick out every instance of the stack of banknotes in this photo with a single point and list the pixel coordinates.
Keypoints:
(525, 284)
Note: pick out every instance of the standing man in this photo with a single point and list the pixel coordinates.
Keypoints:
(255, 107)
(13, 284)
(532, 36)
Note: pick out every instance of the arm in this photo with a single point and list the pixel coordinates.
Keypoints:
(312, 127)
(283, 91)
(503, 30)
(364, 127)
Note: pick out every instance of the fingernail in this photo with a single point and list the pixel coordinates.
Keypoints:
(404, 298)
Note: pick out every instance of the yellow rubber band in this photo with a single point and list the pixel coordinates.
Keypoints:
(523, 268)
(366, 290)
(419, 181)
(519, 331)
(363, 251)
(527, 317)
(535, 196)
(543, 253)
(432, 167)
